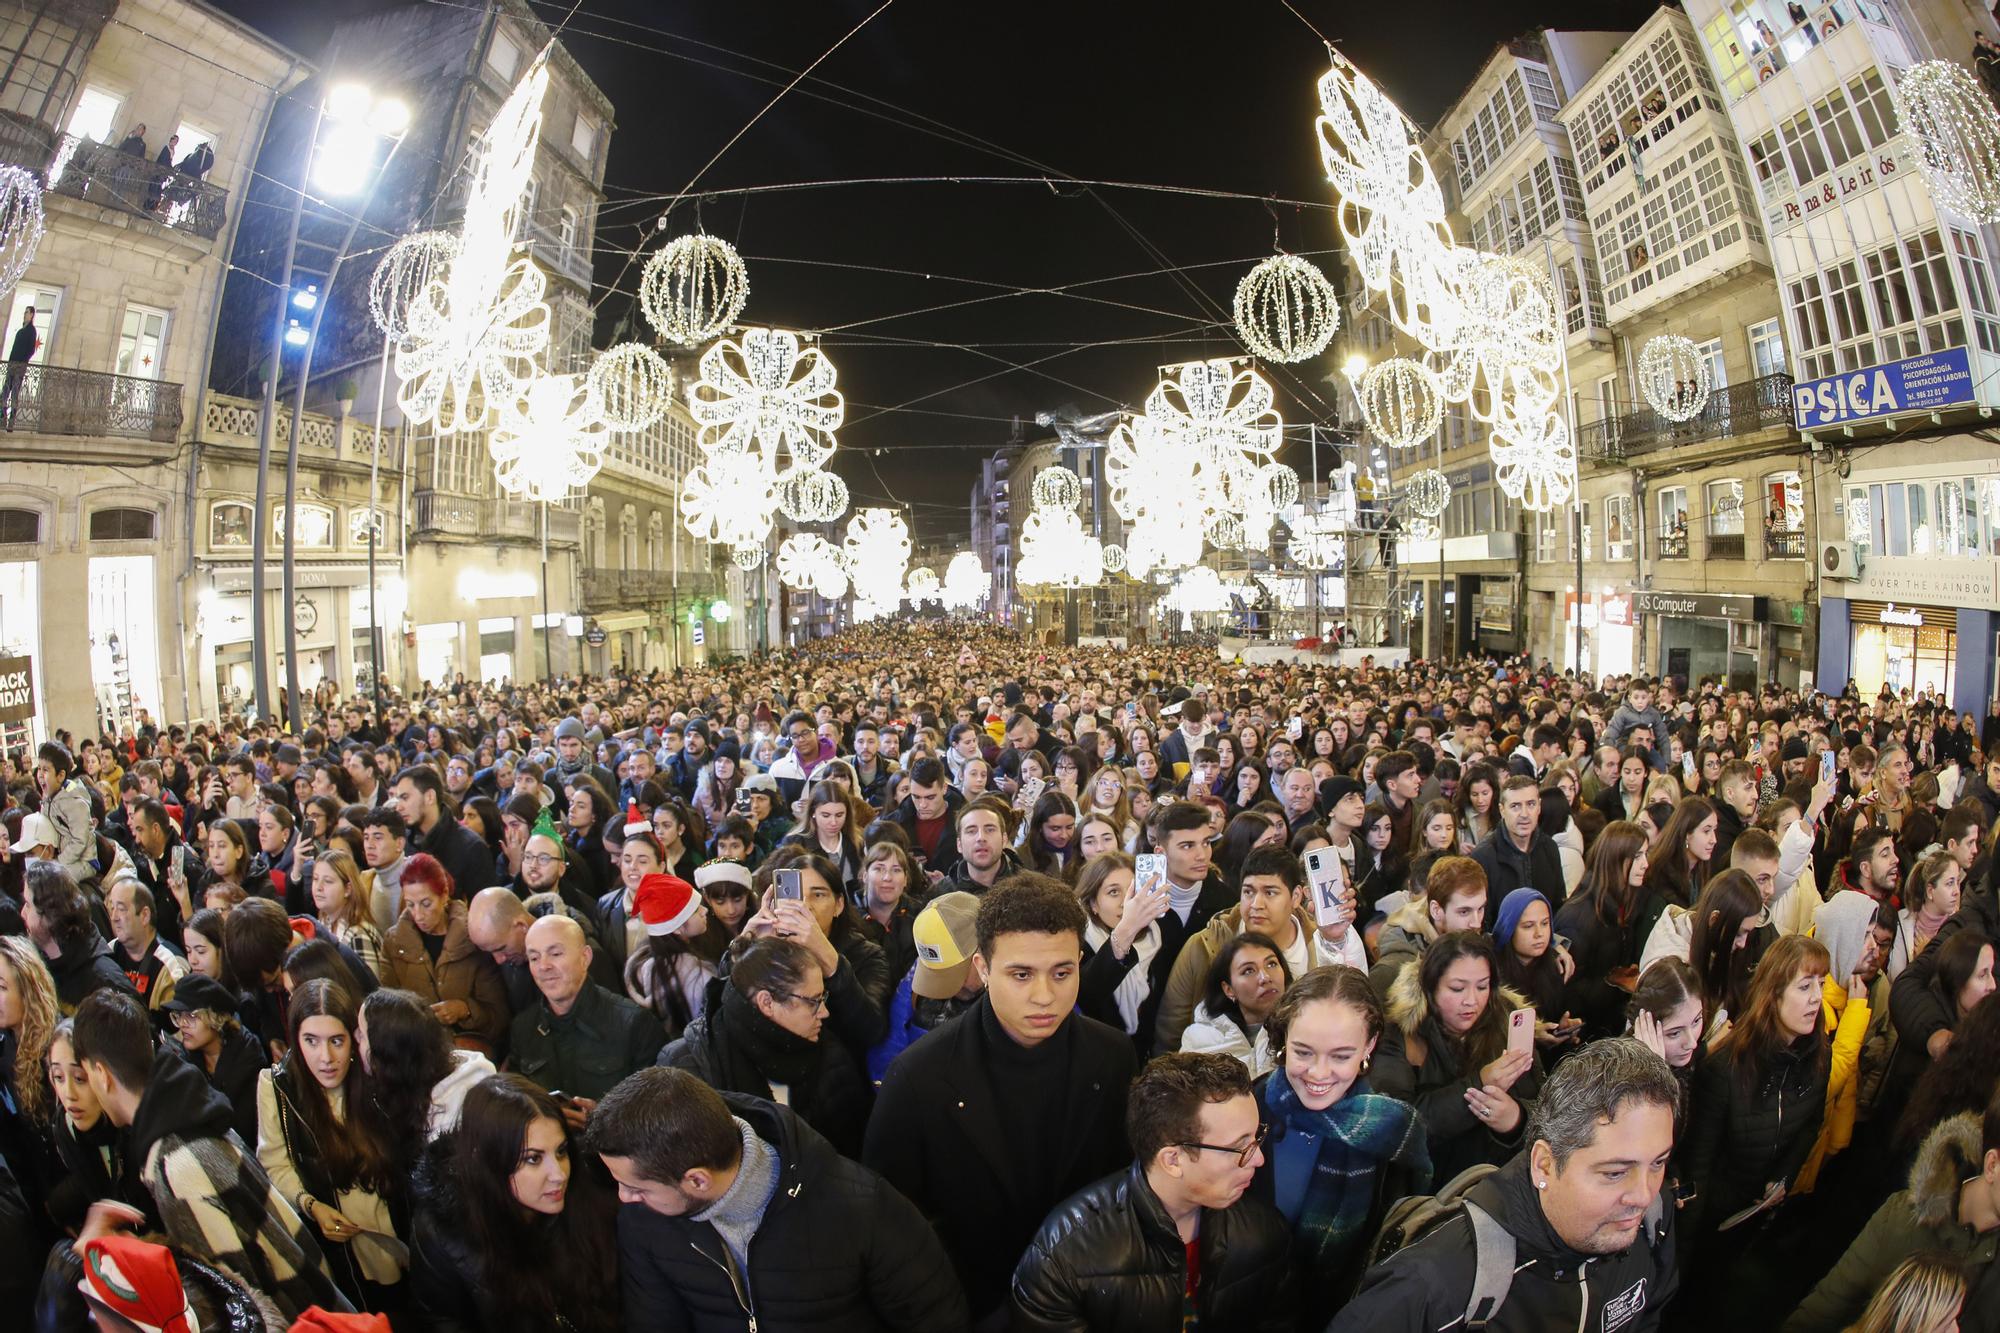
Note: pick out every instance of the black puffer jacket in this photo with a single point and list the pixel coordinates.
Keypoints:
(222, 1302)
(1751, 1129)
(86, 966)
(1109, 1256)
(838, 1251)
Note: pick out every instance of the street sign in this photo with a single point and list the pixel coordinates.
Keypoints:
(1914, 384)
(595, 637)
(699, 635)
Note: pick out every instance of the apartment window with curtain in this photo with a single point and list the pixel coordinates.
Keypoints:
(1725, 519)
(1618, 527)
(1673, 524)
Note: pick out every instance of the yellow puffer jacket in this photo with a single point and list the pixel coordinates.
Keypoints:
(1847, 1020)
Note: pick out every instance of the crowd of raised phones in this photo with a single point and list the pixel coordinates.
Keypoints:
(929, 979)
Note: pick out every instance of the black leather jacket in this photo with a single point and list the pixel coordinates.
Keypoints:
(1109, 1256)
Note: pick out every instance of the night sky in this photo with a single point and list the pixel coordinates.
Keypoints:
(1207, 96)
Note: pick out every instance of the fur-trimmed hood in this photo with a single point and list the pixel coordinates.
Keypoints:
(1408, 1007)
(1949, 1156)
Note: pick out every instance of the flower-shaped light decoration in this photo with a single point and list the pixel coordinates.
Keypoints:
(1952, 121)
(809, 495)
(746, 556)
(727, 499)
(1400, 400)
(407, 270)
(762, 391)
(478, 326)
(1319, 542)
(1057, 488)
(923, 586)
(1534, 461)
(1428, 493)
(877, 549)
(1675, 377)
(808, 560)
(693, 288)
(636, 385)
(1286, 310)
(550, 438)
(21, 224)
(1057, 553)
(966, 582)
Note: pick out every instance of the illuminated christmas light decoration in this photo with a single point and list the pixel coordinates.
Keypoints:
(1057, 488)
(1428, 493)
(877, 551)
(1400, 400)
(550, 439)
(476, 329)
(728, 500)
(693, 288)
(1951, 120)
(1197, 591)
(746, 557)
(1421, 529)
(1225, 532)
(1214, 413)
(635, 384)
(1113, 557)
(408, 268)
(1535, 462)
(1057, 553)
(923, 586)
(1675, 377)
(1318, 542)
(762, 391)
(809, 495)
(807, 560)
(1286, 310)
(966, 582)
(22, 220)
(1280, 487)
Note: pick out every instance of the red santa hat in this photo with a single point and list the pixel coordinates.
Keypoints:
(137, 1281)
(315, 1320)
(635, 822)
(664, 903)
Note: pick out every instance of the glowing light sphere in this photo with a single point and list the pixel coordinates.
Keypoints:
(1675, 377)
(407, 269)
(877, 550)
(1950, 118)
(550, 439)
(1113, 556)
(761, 390)
(1057, 488)
(1399, 397)
(809, 495)
(966, 582)
(1286, 310)
(923, 586)
(727, 500)
(693, 289)
(1428, 493)
(1280, 485)
(746, 556)
(1225, 532)
(635, 384)
(21, 224)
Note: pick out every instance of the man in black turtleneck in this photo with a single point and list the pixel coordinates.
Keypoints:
(988, 1122)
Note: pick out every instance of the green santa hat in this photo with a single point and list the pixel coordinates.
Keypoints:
(545, 827)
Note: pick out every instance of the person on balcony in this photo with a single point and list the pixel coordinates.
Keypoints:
(26, 343)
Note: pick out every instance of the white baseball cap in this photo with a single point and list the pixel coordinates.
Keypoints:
(37, 830)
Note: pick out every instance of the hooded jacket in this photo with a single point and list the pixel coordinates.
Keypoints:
(213, 1199)
(837, 1250)
(1109, 1256)
(1405, 936)
(1923, 1217)
(1415, 1063)
(86, 965)
(1424, 1286)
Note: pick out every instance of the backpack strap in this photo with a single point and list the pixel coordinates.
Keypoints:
(1493, 1267)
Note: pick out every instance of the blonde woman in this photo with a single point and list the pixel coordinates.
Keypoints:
(27, 1022)
(1107, 797)
(341, 900)
(1924, 1295)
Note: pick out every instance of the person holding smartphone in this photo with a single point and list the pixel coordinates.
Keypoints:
(1120, 942)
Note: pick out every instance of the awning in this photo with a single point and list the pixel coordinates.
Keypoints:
(618, 620)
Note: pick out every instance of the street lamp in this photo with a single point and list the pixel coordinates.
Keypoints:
(350, 127)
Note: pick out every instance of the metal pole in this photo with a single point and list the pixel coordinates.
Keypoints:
(374, 589)
(1575, 464)
(548, 631)
(260, 644)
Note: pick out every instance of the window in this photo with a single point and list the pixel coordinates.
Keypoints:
(1726, 52)
(1767, 349)
(141, 341)
(525, 219)
(47, 302)
(1874, 107)
(121, 525)
(358, 526)
(20, 527)
(96, 115)
(1673, 522)
(1836, 125)
(566, 237)
(1860, 524)
(228, 524)
(583, 139)
(1815, 339)
(1618, 527)
(1711, 352)
(1567, 517)
(503, 56)
(1802, 145)
(1546, 526)
(1957, 530)
(1725, 519)
(315, 526)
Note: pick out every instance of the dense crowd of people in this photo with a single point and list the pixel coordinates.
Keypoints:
(928, 979)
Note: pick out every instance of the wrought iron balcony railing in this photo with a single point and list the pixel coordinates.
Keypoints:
(1736, 409)
(101, 174)
(57, 400)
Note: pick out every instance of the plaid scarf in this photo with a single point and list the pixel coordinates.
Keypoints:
(1358, 1134)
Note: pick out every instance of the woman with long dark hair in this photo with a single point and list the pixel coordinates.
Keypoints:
(321, 1155)
(417, 1079)
(1478, 806)
(90, 1147)
(1667, 1014)
(670, 973)
(1677, 862)
(515, 1229)
(1628, 797)
(1243, 834)
(1962, 1079)
(1243, 985)
(675, 826)
(1714, 936)
(829, 830)
(1943, 984)
(1048, 844)
(1601, 925)
(587, 816)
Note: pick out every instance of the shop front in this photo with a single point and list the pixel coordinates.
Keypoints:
(1607, 633)
(1917, 625)
(1696, 636)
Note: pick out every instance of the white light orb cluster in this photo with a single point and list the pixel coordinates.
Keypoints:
(877, 550)
(693, 288)
(966, 582)
(22, 221)
(407, 269)
(1057, 553)
(923, 586)
(1428, 493)
(728, 500)
(1113, 557)
(1057, 488)
(746, 557)
(807, 560)
(1286, 310)
(1400, 400)
(1951, 120)
(1675, 377)
(635, 384)
(809, 495)
(1197, 591)
(549, 440)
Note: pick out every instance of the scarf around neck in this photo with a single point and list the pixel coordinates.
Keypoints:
(1138, 982)
(1358, 1135)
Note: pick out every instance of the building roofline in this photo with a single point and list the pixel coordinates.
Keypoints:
(1612, 62)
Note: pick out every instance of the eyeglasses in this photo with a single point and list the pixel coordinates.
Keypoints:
(539, 859)
(1243, 1154)
(813, 1003)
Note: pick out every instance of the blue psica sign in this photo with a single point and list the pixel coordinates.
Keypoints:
(1916, 384)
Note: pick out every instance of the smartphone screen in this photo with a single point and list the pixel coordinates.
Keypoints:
(1295, 728)
(788, 884)
(1826, 763)
(1687, 764)
(1323, 878)
(1150, 873)
(1521, 1029)
(1031, 790)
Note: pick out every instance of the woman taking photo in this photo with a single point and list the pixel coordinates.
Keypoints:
(1243, 985)
(1759, 1100)
(1445, 1052)
(417, 1079)
(510, 1191)
(829, 830)
(1121, 938)
(1338, 1152)
(1048, 843)
(341, 902)
(890, 900)
(763, 1026)
(429, 954)
(323, 1159)
(1601, 925)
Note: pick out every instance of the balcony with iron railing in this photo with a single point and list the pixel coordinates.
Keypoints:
(61, 400)
(1784, 543)
(1758, 405)
(1674, 545)
(1725, 546)
(81, 168)
(439, 513)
